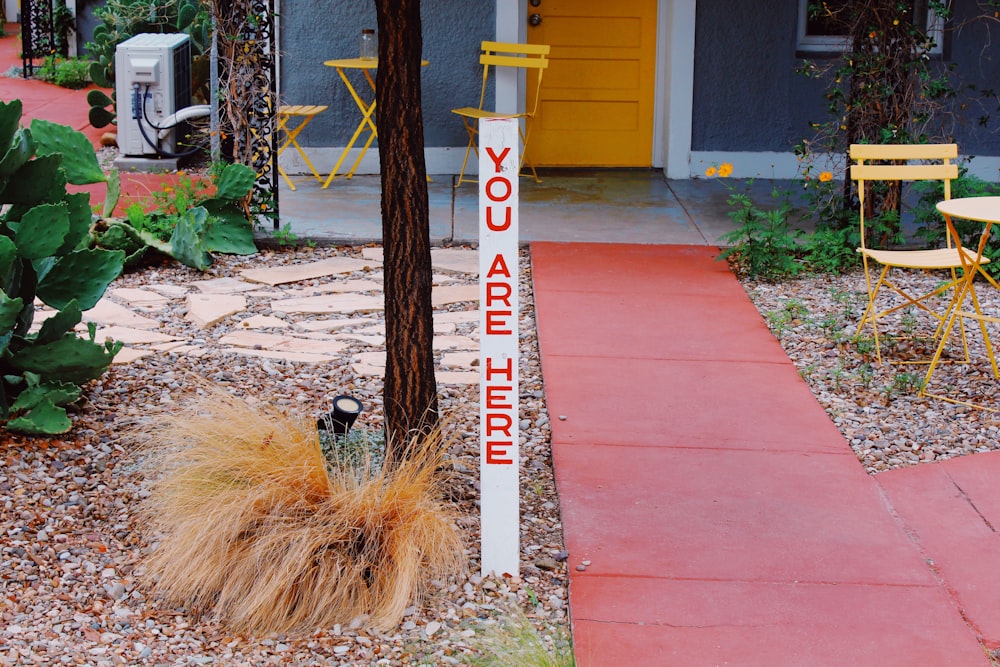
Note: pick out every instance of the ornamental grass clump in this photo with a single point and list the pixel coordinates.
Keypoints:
(252, 522)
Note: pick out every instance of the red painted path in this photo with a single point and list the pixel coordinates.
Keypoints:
(725, 518)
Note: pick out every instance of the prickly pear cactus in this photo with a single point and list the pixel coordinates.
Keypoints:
(44, 254)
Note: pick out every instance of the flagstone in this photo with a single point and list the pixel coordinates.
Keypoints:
(170, 347)
(457, 316)
(460, 359)
(224, 286)
(457, 260)
(171, 291)
(264, 322)
(376, 341)
(304, 357)
(446, 294)
(255, 339)
(131, 336)
(328, 325)
(453, 342)
(127, 355)
(206, 310)
(318, 335)
(374, 254)
(293, 273)
(339, 286)
(109, 312)
(368, 370)
(140, 298)
(444, 328)
(456, 377)
(329, 303)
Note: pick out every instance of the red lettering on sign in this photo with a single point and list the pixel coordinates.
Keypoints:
(498, 267)
(499, 453)
(495, 397)
(495, 322)
(497, 159)
(492, 225)
(498, 423)
(506, 372)
(498, 293)
(501, 180)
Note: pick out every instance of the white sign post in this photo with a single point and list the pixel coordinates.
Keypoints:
(498, 342)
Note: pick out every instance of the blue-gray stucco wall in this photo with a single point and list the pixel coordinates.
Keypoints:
(747, 96)
(316, 30)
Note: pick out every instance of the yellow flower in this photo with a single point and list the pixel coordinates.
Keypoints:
(725, 169)
(825, 176)
(895, 21)
(710, 172)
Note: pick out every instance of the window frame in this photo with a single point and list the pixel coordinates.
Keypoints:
(836, 44)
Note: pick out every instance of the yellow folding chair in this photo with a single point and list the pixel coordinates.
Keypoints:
(503, 54)
(305, 113)
(907, 162)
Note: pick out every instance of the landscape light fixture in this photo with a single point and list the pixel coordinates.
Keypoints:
(345, 410)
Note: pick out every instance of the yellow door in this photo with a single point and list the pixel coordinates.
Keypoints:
(596, 106)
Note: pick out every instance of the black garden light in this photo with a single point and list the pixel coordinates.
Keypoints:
(339, 421)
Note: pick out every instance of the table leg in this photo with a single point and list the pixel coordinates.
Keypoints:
(367, 122)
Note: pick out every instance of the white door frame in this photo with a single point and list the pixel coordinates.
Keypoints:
(674, 95)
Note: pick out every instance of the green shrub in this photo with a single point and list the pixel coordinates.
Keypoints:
(762, 245)
(73, 73)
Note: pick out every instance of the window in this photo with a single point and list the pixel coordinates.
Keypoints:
(822, 34)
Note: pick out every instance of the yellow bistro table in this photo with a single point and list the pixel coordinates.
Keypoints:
(985, 210)
(367, 123)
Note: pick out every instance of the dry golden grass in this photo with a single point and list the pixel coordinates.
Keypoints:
(251, 523)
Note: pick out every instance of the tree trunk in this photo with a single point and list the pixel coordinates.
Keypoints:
(410, 398)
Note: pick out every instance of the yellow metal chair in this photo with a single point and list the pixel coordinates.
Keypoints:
(907, 162)
(305, 113)
(503, 54)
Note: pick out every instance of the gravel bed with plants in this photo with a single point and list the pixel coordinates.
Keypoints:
(74, 550)
(877, 406)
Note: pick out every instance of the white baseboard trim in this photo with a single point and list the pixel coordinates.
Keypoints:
(784, 166)
(448, 160)
(438, 160)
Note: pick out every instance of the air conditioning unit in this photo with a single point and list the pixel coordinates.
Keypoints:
(152, 82)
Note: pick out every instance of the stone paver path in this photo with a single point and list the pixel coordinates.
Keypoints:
(288, 322)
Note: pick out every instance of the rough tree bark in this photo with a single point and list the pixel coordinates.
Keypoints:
(410, 395)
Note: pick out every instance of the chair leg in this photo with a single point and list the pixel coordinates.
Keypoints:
(471, 131)
(524, 151)
(871, 312)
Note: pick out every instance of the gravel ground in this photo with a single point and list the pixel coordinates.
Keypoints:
(70, 557)
(877, 407)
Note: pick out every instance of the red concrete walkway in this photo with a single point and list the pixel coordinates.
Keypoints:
(725, 519)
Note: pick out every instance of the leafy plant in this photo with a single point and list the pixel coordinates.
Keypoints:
(73, 73)
(250, 520)
(762, 245)
(285, 236)
(44, 255)
(190, 221)
(829, 250)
